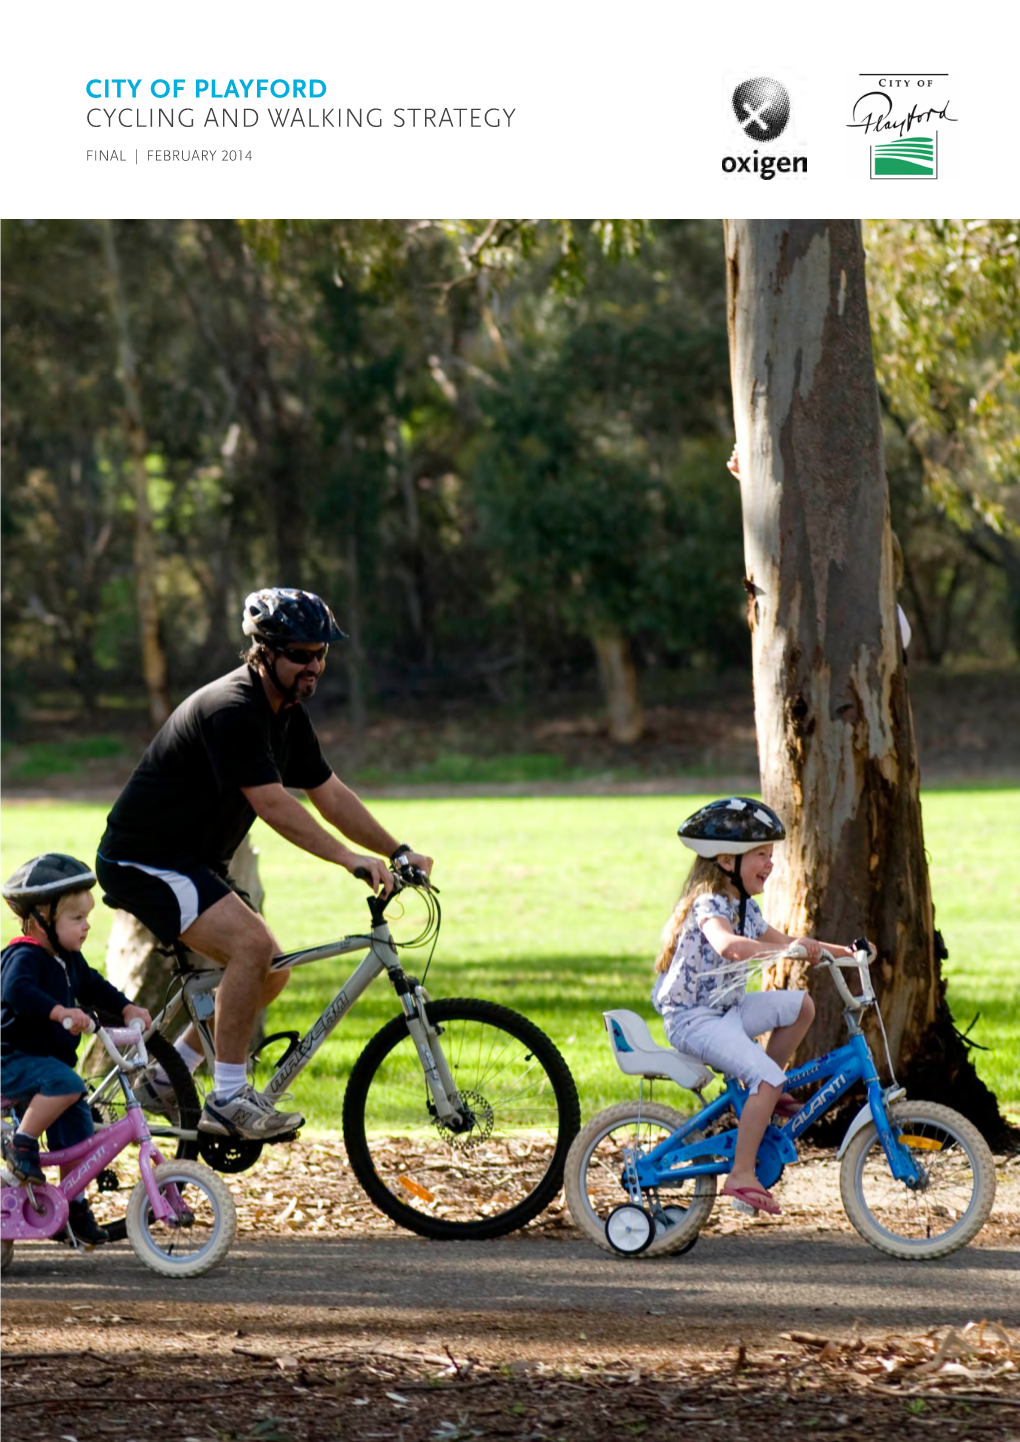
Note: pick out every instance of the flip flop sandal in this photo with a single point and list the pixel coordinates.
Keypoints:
(756, 1197)
(787, 1106)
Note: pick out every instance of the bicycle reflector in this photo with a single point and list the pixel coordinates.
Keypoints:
(416, 1189)
(929, 1144)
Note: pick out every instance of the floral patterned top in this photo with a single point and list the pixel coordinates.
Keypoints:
(698, 975)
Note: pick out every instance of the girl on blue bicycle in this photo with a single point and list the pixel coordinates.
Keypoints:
(715, 930)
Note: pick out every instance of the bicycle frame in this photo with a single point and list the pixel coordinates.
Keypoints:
(845, 1066)
(195, 997)
(94, 1153)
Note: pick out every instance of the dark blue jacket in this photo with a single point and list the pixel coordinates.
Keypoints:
(32, 982)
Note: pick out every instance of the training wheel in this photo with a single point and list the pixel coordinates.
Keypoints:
(666, 1220)
(629, 1229)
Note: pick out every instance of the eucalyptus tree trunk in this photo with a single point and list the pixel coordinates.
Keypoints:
(835, 735)
(355, 649)
(618, 678)
(153, 654)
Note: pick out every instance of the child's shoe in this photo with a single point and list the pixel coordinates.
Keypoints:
(21, 1154)
(84, 1225)
(787, 1107)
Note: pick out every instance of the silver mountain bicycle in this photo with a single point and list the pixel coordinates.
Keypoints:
(457, 1117)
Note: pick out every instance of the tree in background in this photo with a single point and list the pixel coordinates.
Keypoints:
(835, 735)
(146, 597)
(609, 384)
(348, 403)
(61, 500)
(945, 296)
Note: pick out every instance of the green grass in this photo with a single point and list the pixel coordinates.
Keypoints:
(459, 767)
(554, 905)
(36, 760)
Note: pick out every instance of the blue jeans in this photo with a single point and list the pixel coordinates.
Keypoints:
(25, 1076)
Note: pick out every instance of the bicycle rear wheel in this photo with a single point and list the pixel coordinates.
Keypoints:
(183, 1112)
(593, 1178)
(481, 1183)
(957, 1187)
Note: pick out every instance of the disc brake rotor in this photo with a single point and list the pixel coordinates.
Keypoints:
(480, 1131)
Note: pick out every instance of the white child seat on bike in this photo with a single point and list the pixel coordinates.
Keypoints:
(638, 1055)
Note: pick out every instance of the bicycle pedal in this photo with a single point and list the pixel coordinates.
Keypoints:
(284, 1137)
(744, 1208)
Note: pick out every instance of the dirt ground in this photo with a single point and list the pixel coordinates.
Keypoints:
(216, 1373)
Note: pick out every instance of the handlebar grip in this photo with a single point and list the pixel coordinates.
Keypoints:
(861, 943)
(361, 873)
(796, 953)
(67, 1024)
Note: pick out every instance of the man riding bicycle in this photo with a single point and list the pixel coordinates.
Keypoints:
(226, 755)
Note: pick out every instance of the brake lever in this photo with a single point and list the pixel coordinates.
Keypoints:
(414, 876)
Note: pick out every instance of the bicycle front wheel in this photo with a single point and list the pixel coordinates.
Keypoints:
(594, 1177)
(182, 1112)
(957, 1188)
(200, 1232)
(485, 1181)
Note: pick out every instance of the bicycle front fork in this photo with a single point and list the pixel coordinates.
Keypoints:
(450, 1109)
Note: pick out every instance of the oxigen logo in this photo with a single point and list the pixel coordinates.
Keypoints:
(762, 108)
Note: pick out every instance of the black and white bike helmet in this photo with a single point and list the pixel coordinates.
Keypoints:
(730, 828)
(280, 615)
(44, 879)
(41, 882)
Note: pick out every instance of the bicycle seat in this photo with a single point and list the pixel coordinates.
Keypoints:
(638, 1055)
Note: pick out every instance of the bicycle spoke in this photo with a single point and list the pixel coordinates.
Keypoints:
(504, 1166)
(948, 1205)
(947, 1184)
(595, 1170)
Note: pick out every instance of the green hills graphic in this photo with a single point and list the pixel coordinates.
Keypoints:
(915, 156)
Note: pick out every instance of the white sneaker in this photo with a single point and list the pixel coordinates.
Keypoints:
(155, 1095)
(248, 1115)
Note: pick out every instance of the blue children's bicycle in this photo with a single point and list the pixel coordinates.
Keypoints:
(917, 1179)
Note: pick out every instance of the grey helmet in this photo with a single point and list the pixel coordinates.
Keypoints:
(280, 615)
(41, 882)
(46, 878)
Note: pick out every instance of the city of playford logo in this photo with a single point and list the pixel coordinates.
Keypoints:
(762, 110)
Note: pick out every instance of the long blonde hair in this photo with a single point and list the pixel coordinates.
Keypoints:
(703, 877)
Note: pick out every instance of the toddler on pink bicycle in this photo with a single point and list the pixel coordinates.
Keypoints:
(44, 984)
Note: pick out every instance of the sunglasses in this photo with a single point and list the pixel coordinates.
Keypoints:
(302, 656)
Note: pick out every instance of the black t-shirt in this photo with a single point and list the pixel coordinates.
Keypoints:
(184, 796)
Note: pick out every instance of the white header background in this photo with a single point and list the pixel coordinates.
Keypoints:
(621, 110)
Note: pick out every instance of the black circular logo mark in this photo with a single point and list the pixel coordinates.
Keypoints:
(762, 108)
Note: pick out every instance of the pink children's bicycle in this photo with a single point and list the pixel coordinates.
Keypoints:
(180, 1219)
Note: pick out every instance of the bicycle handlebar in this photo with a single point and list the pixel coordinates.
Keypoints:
(117, 1036)
(403, 876)
(860, 961)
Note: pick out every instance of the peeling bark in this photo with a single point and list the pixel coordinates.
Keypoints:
(835, 734)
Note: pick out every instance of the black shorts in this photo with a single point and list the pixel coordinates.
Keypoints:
(167, 898)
